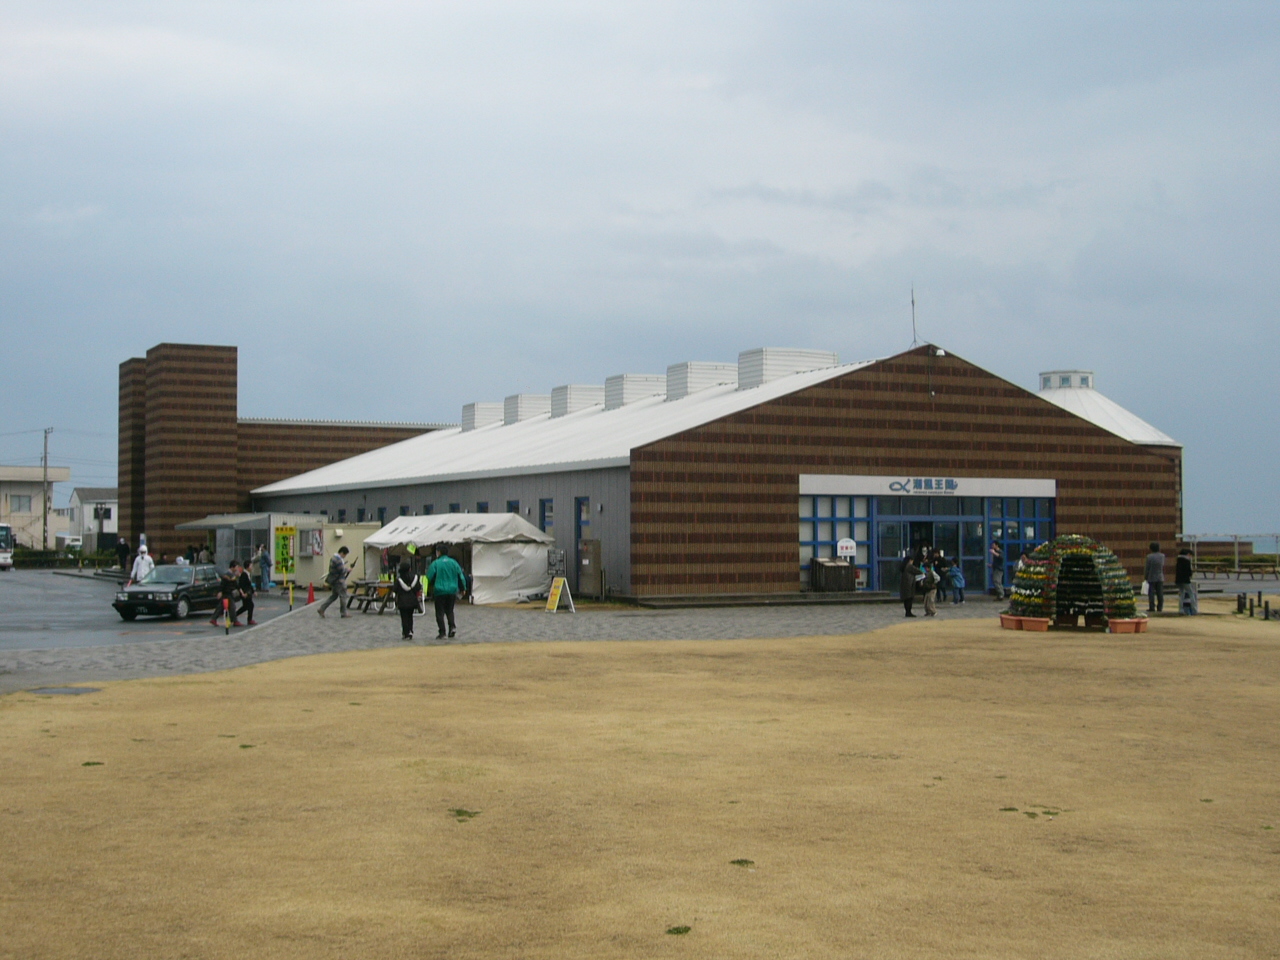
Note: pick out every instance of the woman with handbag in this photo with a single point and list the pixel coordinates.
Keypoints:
(408, 590)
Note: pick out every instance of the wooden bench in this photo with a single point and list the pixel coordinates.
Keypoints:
(1259, 571)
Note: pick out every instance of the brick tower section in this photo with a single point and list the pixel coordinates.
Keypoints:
(275, 450)
(190, 439)
(184, 454)
(131, 475)
(715, 509)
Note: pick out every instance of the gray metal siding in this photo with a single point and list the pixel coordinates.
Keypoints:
(610, 488)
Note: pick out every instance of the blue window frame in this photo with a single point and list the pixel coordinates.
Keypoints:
(428, 509)
(482, 506)
(455, 508)
(824, 521)
(513, 506)
(547, 516)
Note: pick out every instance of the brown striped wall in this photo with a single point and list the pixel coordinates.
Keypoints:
(714, 509)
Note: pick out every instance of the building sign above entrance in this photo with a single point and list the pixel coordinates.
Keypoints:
(943, 485)
(823, 484)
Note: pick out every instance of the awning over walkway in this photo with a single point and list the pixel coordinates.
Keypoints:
(233, 521)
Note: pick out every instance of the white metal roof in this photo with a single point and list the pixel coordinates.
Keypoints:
(588, 439)
(594, 438)
(1089, 404)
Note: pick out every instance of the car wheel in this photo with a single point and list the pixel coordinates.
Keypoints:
(183, 610)
(129, 615)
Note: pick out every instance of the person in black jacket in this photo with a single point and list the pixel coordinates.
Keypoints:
(244, 585)
(1183, 570)
(408, 590)
(228, 592)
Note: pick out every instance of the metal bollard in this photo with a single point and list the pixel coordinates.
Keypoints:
(1251, 606)
(1239, 603)
(1266, 610)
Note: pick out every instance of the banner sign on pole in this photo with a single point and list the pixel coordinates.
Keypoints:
(284, 550)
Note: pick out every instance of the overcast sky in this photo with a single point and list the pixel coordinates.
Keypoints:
(395, 208)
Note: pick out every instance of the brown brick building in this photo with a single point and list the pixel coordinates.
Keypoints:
(733, 480)
(185, 453)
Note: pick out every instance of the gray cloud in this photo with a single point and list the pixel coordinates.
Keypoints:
(537, 194)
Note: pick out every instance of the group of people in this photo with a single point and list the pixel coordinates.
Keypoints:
(1184, 570)
(236, 591)
(444, 581)
(928, 573)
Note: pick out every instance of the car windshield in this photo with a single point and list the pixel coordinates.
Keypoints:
(167, 574)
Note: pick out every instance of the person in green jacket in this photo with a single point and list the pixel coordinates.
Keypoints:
(448, 582)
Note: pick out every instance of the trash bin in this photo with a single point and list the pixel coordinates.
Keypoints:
(832, 576)
(1190, 594)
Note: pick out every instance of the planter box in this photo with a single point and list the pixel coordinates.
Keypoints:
(1010, 622)
(1128, 626)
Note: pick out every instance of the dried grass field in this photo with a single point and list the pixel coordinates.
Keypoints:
(929, 790)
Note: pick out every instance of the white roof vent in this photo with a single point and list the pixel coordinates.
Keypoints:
(574, 397)
(476, 415)
(1067, 380)
(624, 388)
(692, 376)
(522, 406)
(769, 363)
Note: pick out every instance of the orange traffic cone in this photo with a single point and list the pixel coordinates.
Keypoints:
(311, 593)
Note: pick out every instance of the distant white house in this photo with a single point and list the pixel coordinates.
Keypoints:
(93, 514)
(23, 502)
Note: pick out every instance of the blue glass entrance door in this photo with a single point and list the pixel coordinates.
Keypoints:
(954, 525)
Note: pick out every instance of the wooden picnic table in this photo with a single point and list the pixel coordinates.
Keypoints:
(369, 593)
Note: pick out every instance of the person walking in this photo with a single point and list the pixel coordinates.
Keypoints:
(228, 591)
(122, 553)
(448, 582)
(204, 555)
(408, 589)
(957, 582)
(264, 567)
(907, 583)
(996, 560)
(336, 578)
(142, 565)
(244, 583)
(1188, 601)
(1154, 575)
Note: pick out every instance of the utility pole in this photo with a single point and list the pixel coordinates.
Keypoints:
(45, 511)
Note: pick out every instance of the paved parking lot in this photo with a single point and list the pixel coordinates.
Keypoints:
(61, 630)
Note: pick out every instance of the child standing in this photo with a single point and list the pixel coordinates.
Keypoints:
(957, 582)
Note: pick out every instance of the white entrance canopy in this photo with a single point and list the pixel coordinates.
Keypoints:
(458, 528)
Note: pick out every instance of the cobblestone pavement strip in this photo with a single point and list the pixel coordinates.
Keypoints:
(302, 633)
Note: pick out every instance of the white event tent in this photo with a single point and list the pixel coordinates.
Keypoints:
(508, 554)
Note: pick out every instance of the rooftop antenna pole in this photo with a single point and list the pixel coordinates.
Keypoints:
(915, 341)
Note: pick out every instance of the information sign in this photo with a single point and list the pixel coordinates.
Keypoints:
(285, 538)
(846, 549)
(559, 587)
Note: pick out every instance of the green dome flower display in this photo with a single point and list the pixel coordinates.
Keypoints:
(1073, 575)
